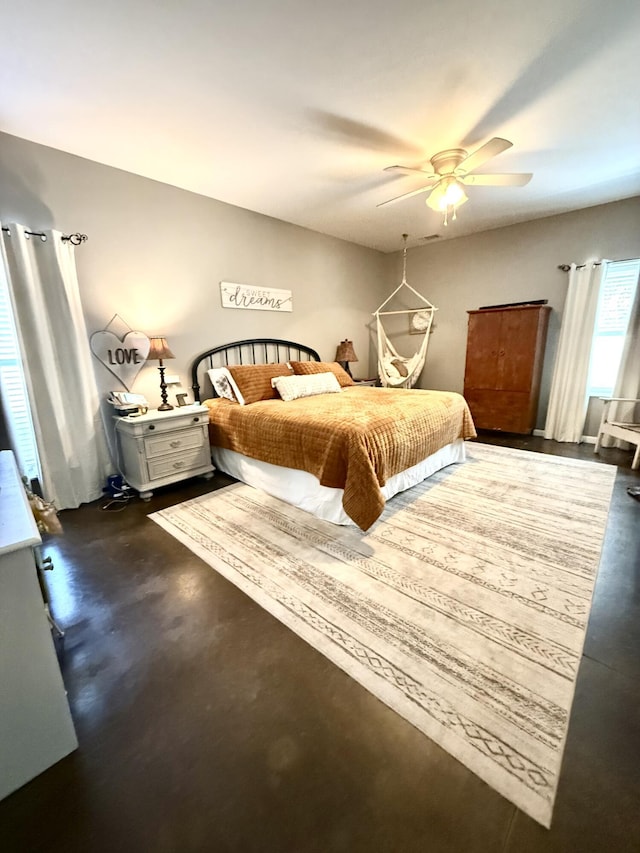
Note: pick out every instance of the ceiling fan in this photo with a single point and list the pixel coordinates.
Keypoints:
(451, 173)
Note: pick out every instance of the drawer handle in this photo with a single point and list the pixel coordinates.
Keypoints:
(178, 464)
(195, 420)
(175, 443)
(152, 426)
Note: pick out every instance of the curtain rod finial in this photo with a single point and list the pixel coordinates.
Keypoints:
(76, 239)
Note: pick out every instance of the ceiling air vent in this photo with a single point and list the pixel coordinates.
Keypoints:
(431, 237)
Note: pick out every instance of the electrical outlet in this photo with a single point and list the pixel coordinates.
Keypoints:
(174, 379)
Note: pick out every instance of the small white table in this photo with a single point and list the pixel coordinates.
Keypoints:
(36, 729)
(160, 448)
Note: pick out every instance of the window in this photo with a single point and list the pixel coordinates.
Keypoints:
(13, 393)
(615, 301)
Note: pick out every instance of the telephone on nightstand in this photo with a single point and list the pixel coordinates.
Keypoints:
(126, 403)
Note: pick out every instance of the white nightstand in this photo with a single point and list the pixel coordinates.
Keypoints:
(370, 383)
(160, 448)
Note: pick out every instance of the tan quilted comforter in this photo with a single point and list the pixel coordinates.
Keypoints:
(355, 440)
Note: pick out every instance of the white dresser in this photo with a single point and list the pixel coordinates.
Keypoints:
(36, 729)
(161, 448)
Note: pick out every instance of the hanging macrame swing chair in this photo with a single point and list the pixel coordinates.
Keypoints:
(395, 370)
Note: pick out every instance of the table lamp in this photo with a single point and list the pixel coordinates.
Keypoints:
(346, 353)
(159, 350)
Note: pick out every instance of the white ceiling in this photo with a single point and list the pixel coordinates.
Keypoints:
(293, 108)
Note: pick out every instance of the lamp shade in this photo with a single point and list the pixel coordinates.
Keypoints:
(346, 352)
(159, 349)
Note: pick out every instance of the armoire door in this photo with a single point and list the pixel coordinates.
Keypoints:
(518, 336)
(481, 369)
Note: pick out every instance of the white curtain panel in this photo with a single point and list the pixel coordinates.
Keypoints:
(63, 395)
(628, 379)
(568, 398)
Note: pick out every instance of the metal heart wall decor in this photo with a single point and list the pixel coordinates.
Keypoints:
(124, 357)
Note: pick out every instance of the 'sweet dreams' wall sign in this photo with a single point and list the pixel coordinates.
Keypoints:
(255, 298)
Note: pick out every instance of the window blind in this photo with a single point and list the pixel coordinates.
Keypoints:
(13, 393)
(615, 301)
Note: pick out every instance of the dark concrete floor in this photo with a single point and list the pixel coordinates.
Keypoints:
(206, 725)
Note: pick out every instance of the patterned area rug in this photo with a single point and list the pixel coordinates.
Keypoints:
(464, 608)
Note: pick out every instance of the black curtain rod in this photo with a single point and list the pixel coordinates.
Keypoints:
(567, 267)
(74, 239)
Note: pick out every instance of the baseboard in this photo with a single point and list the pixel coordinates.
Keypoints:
(586, 439)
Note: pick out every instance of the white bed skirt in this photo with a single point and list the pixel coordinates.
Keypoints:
(304, 490)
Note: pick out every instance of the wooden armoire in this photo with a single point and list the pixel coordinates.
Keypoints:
(505, 352)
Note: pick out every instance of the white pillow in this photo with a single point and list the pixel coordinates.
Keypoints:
(225, 385)
(293, 387)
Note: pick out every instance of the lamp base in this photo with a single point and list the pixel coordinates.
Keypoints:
(164, 406)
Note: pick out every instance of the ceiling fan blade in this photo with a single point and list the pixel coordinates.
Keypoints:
(408, 195)
(515, 179)
(485, 152)
(409, 170)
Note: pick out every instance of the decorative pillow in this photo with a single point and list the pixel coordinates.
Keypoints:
(399, 366)
(294, 387)
(224, 384)
(254, 380)
(304, 368)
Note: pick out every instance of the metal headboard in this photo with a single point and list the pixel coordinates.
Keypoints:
(251, 351)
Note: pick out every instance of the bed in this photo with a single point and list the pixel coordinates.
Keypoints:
(340, 453)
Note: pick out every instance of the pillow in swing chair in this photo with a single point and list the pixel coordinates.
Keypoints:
(400, 366)
(303, 368)
(395, 368)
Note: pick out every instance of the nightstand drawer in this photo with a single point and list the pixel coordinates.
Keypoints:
(154, 424)
(172, 442)
(177, 421)
(177, 463)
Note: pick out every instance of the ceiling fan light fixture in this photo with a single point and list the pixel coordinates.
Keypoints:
(447, 197)
(434, 198)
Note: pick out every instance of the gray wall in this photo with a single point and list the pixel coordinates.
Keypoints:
(512, 264)
(156, 255)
